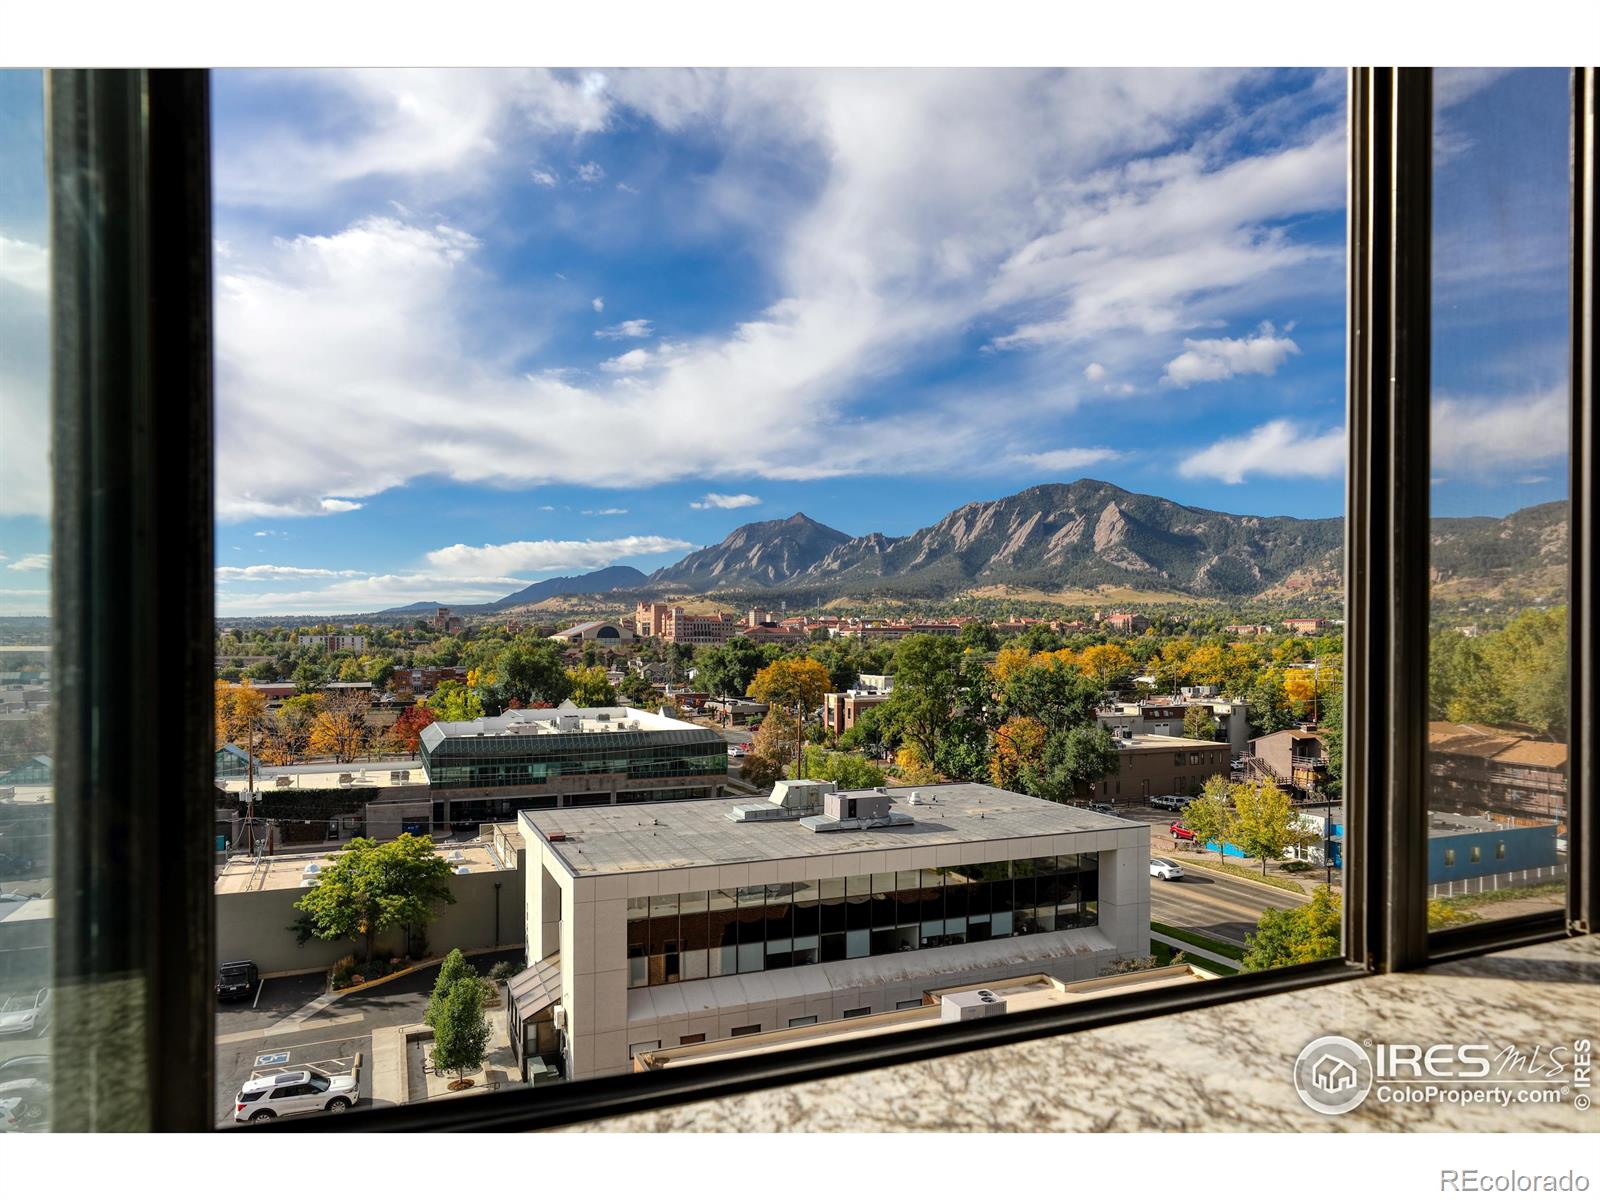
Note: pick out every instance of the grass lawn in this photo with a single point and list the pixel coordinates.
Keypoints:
(1225, 949)
(1164, 954)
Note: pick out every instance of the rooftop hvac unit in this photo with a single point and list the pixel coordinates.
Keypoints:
(463, 870)
(971, 1006)
(313, 868)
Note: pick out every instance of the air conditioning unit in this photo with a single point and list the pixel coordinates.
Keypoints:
(559, 1014)
(971, 1006)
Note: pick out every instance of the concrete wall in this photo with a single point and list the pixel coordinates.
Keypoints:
(258, 925)
(593, 938)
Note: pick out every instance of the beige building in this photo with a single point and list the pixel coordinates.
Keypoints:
(657, 927)
(670, 623)
(255, 905)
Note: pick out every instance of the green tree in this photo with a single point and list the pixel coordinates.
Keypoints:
(1072, 760)
(1209, 816)
(1331, 731)
(454, 967)
(454, 701)
(308, 677)
(797, 683)
(529, 671)
(460, 1032)
(1265, 823)
(1056, 694)
(849, 772)
(1198, 723)
(979, 636)
(371, 887)
(934, 684)
(591, 688)
(727, 670)
(1284, 937)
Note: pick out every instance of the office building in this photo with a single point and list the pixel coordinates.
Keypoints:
(489, 768)
(601, 633)
(332, 642)
(651, 927)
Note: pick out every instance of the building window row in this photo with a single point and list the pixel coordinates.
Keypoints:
(734, 931)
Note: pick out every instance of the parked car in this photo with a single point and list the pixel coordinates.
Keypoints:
(1170, 803)
(1165, 868)
(25, 1013)
(289, 1093)
(1237, 764)
(25, 1099)
(737, 752)
(236, 980)
(1100, 807)
(1177, 830)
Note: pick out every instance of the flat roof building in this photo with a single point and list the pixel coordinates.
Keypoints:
(563, 757)
(654, 927)
(1154, 765)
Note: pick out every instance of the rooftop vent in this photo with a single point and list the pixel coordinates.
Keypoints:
(971, 1006)
(463, 870)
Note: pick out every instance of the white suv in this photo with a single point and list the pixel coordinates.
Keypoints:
(292, 1092)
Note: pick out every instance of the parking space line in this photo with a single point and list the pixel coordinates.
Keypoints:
(303, 1045)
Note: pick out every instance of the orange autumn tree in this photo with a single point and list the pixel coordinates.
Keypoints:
(1018, 745)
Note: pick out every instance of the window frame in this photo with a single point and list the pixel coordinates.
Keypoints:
(131, 251)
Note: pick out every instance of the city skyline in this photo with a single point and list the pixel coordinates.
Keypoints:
(478, 328)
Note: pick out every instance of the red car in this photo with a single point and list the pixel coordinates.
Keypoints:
(1178, 831)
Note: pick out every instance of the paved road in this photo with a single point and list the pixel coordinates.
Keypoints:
(331, 1037)
(1220, 906)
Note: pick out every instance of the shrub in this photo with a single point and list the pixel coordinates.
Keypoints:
(502, 971)
(1294, 865)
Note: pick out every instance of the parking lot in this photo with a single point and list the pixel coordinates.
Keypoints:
(253, 1035)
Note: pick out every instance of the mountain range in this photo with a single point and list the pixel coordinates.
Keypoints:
(1077, 536)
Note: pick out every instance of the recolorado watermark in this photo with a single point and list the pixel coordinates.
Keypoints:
(1336, 1075)
(1510, 1182)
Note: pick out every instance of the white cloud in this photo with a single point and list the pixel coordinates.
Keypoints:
(590, 172)
(1479, 436)
(549, 555)
(877, 265)
(632, 191)
(24, 378)
(719, 500)
(1209, 359)
(633, 360)
(30, 562)
(1278, 449)
(605, 512)
(1067, 459)
(437, 130)
(636, 328)
(1094, 372)
(269, 571)
(25, 265)
(543, 178)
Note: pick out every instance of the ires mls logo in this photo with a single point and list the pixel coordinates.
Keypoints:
(1333, 1075)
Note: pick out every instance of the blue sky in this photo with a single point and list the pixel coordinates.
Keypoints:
(476, 328)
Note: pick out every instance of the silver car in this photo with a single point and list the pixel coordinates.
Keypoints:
(290, 1093)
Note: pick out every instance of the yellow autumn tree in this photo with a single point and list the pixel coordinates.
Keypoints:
(1105, 663)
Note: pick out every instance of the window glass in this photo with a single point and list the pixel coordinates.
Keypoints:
(27, 753)
(1497, 680)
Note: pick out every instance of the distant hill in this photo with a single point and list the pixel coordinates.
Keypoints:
(763, 553)
(606, 579)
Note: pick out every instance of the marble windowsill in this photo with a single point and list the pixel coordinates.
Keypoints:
(1219, 1069)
